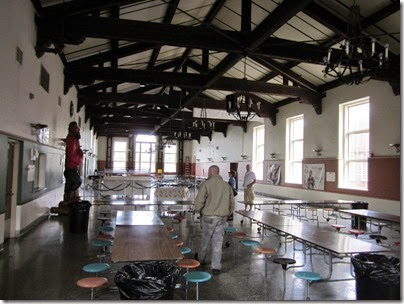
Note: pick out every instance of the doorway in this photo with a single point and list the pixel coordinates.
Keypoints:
(13, 157)
(234, 166)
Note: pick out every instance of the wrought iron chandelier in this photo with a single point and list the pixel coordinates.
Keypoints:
(358, 55)
(183, 135)
(241, 105)
(203, 126)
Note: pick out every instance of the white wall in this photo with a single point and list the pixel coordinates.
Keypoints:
(18, 110)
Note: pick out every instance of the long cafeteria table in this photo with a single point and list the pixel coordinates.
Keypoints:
(391, 218)
(142, 236)
(330, 242)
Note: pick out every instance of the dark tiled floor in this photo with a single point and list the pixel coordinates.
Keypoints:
(46, 263)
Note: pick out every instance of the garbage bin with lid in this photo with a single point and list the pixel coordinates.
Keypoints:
(79, 215)
(149, 280)
(377, 277)
(359, 222)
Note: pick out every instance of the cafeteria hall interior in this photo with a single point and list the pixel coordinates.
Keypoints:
(304, 94)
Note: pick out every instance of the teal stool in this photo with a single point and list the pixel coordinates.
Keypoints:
(174, 236)
(96, 267)
(197, 277)
(309, 277)
(185, 250)
(104, 244)
(104, 229)
(251, 244)
(228, 231)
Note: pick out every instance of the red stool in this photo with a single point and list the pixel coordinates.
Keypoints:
(92, 282)
(338, 227)
(170, 229)
(178, 243)
(104, 237)
(268, 252)
(356, 232)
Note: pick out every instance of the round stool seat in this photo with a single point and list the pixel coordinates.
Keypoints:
(170, 229)
(197, 276)
(104, 237)
(104, 212)
(105, 229)
(172, 212)
(174, 236)
(264, 250)
(250, 243)
(356, 232)
(100, 243)
(380, 224)
(328, 209)
(178, 243)
(179, 217)
(185, 250)
(96, 267)
(103, 218)
(308, 275)
(229, 229)
(92, 282)
(284, 262)
(338, 227)
(239, 235)
(188, 263)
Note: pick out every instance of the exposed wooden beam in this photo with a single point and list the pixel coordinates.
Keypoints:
(246, 16)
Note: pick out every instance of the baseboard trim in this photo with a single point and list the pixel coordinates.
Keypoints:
(29, 227)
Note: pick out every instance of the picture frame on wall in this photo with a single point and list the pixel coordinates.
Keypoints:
(313, 176)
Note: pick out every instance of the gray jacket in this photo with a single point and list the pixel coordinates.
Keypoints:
(215, 197)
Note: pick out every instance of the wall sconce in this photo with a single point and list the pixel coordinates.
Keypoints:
(243, 156)
(273, 155)
(318, 152)
(397, 146)
(85, 151)
(31, 96)
(198, 160)
(210, 159)
(224, 158)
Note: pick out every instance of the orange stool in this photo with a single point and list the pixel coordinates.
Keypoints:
(170, 229)
(104, 237)
(338, 227)
(92, 282)
(356, 232)
(239, 236)
(268, 252)
(188, 264)
(178, 243)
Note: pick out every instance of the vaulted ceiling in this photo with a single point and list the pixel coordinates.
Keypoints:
(150, 66)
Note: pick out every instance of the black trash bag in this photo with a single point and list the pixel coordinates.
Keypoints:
(152, 280)
(377, 277)
(79, 216)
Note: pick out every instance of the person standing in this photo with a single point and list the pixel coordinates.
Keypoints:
(232, 181)
(215, 201)
(249, 181)
(74, 159)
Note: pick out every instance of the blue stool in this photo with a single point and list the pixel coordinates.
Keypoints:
(185, 250)
(96, 267)
(197, 277)
(250, 244)
(174, 236)
(227, 231)
(309, 277)
(104, 244)
(105, 229)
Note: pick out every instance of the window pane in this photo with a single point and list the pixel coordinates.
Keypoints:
(120, 146)
(144, 166)
(119, 165)
(146, 138)
(145, 148)
(358, 117)
(297, 129)
(260, 153)
(357, 175)
(170, 158)
(170, 149)
(297, 150)
(358, 146)
(260, 171)
(170, 167)
(120, 156)
(296, 169)
(137, 157)
(145, 157)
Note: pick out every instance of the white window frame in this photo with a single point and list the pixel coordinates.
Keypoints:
(256, 162)
(115, 140)
(170, 163)
(344, 160)
(290, 162)
(150, 143)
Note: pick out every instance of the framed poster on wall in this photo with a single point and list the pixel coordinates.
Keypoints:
(274, 174)
(313, 176)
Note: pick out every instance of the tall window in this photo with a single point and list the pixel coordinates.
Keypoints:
(145, 153)
(354, 144)
(170, 159)
(258, 152)
(119, 156)
(294, 149)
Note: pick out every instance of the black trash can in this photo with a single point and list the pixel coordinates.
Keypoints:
(79, 216)
(150, 280)
(359, 222)
(377, 277)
